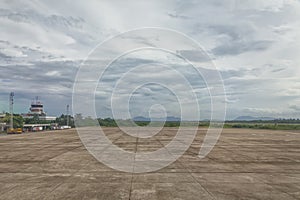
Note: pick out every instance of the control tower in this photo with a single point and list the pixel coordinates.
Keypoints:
(37, 107)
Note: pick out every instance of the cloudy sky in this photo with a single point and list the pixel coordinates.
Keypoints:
(254, 45)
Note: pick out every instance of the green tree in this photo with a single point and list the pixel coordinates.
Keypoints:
(62, 120)
(18, 120)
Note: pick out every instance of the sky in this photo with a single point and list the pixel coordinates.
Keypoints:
(254, 45)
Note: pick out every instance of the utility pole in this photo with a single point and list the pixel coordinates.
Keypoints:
(11, 109)
(68, 115)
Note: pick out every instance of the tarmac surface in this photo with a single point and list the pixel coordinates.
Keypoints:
(245, 164)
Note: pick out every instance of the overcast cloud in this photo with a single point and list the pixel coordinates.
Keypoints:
(254, 44)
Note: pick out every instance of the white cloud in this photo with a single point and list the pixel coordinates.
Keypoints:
(255, 45)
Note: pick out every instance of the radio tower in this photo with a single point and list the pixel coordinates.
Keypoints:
(68, 115)
(11, 109)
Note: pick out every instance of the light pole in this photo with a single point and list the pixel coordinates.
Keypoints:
(11, 107)
(68, 115)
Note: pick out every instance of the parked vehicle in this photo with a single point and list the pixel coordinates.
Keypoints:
(37, 128)
(14, 130)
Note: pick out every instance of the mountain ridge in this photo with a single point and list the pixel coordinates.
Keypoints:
(251, 118)
(146, 119)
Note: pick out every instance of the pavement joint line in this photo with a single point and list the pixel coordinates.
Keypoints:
(213, 159)
(5, 192)
(187, 149)
(105, 148)
(212, 196)
(241, 155)
(72, 174)
(208, 192)
(66, 181)
(132, 174)
(59, 184)
(191, 174)
(267, 172)
(63, 153)
(292, 196)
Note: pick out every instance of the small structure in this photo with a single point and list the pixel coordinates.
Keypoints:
(2, 127)
(2, 124)
(36, 127)
(54, 126)
(64, 127)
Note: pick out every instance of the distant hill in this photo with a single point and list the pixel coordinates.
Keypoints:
(146, 119)
(173, 119)
(141, 119)
(251, 118)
